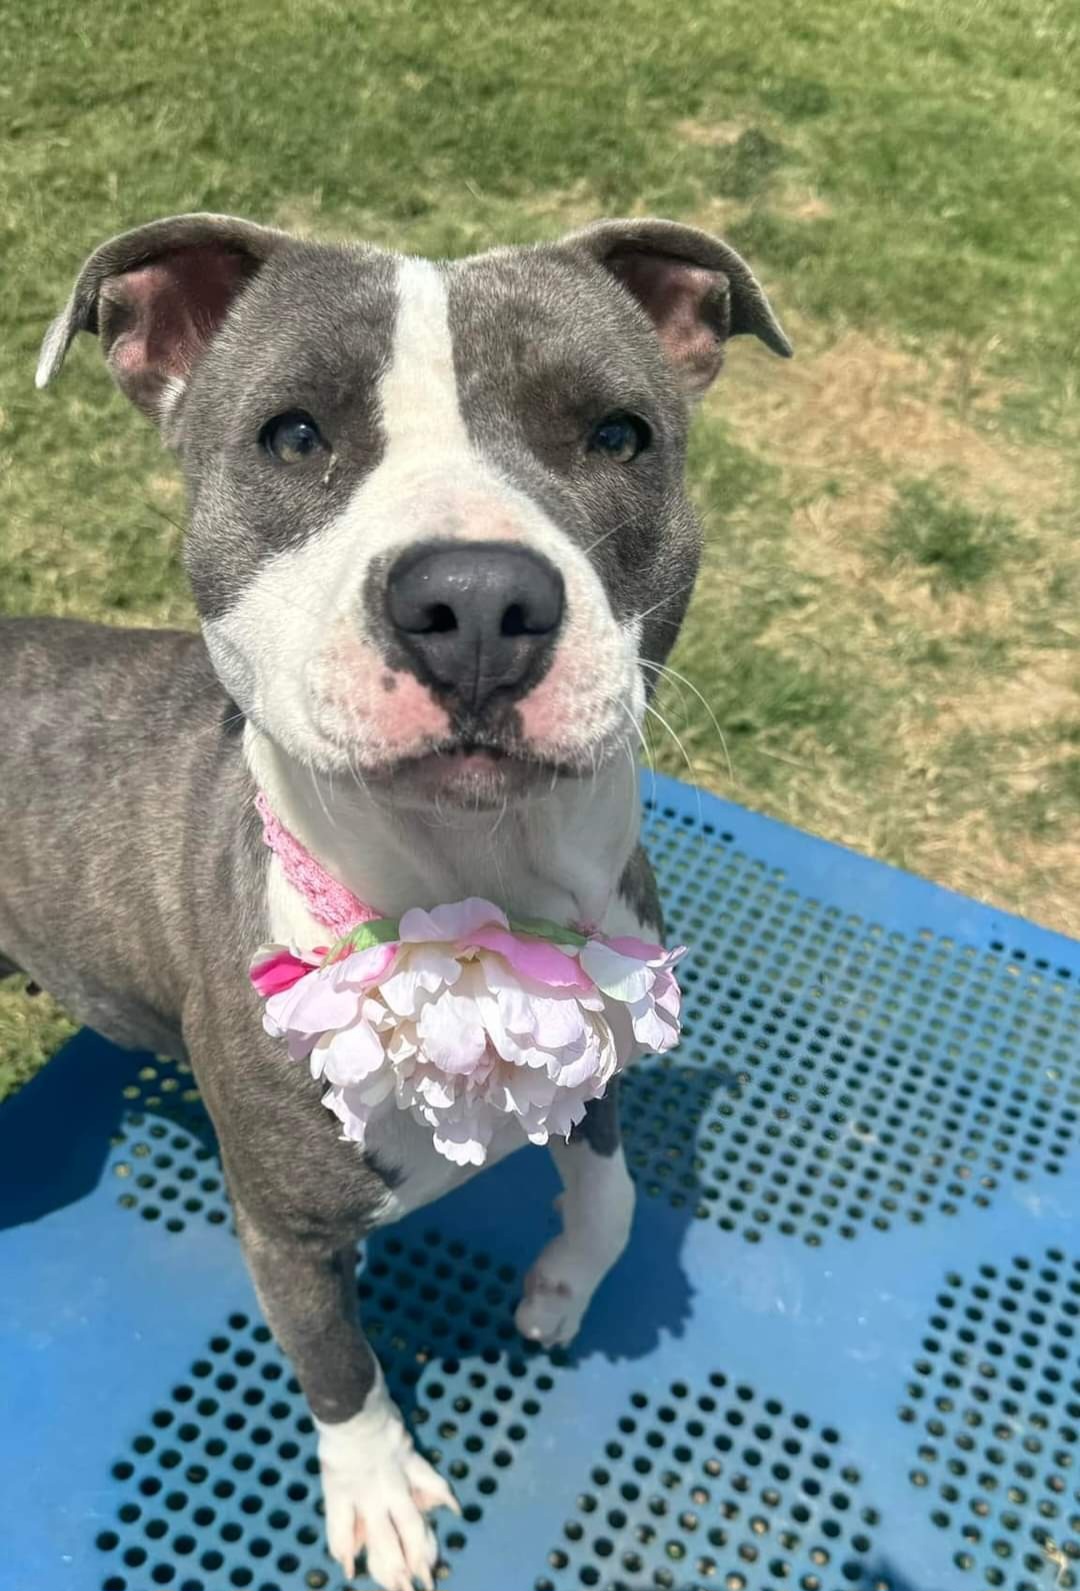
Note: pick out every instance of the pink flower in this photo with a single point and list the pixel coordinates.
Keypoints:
(472, 1024)
(276, 969)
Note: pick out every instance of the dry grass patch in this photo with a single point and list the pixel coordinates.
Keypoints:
(846, 422)
(1041, 692)
(711, 135)
(866, 407)
(798, 201)
(565, 208)
(1034, 877)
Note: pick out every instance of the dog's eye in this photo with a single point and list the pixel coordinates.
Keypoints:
(620, 436)
(291, 438)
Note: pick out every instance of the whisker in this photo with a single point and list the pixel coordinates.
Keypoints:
(681, 679)
(668, 597)
(650, 760)
(600, 540)
(689, 765)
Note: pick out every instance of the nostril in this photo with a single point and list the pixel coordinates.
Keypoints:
(441, 619)
(513, 620)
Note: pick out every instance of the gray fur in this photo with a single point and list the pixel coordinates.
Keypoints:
(325, 356)
(547, 344)
(600, 1128)
(132, 870)
(637, 888)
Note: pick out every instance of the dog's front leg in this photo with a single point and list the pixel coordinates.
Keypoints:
(376, 1487)
(597, 1209)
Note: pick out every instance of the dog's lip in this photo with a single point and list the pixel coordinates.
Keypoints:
(467, 755)
(465, 759)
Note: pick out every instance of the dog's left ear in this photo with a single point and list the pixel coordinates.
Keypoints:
(156, 297)
(695, 289)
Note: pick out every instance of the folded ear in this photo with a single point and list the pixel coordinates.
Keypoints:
(695, 289)
(156, 296)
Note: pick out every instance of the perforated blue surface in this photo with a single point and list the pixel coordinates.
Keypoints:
(842, 1350)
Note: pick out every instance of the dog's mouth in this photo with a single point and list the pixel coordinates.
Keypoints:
(473, 772)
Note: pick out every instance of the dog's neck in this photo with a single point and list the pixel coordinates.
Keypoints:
(558, 854)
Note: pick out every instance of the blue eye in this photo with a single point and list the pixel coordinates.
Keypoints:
(291, 438)
(620, 436)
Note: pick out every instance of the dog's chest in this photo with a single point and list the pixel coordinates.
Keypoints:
(416, 1173)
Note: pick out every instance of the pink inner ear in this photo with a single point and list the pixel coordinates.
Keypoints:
(688, 306)
(162, 315)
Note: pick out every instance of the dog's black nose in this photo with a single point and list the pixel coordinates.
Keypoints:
(478, 617)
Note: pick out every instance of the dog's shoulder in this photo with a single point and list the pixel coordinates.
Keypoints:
(48, 653)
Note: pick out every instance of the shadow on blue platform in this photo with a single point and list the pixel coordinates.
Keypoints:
(56, 1134)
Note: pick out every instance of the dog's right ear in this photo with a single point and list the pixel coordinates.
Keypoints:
(156, 297)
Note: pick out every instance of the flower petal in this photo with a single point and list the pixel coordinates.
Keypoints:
(650, 1029)
(364, 967)
(352, 1053)
(275, 968)
(420, 971)
(620, 976)
(465, 1143)
(537, 959)
(314, 1004)
(668, 995)
(353, 1123)
(451, 1034)
(454, 922)
(638, 949)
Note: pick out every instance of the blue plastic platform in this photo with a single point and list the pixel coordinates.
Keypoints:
(842, 1351)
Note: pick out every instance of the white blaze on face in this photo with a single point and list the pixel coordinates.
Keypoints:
(296, 650)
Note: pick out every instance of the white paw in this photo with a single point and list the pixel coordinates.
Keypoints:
(377, 1490)
(597, 1207)
(560, 1286)
(551, 1310)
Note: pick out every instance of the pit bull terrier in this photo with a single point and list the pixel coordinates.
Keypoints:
(439, 544)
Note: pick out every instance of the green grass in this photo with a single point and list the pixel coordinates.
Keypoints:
(955, 544)
(887, 616)
(31, 1029)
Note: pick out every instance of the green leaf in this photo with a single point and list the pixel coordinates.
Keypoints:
(381, 931)
(542, 928)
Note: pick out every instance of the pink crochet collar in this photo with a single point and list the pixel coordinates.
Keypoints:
(333, 906)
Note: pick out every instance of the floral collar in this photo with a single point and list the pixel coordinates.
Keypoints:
(463, 1017)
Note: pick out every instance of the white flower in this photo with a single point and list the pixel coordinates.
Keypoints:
(468, 1024)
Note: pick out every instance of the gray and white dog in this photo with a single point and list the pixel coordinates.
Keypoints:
(439, 543)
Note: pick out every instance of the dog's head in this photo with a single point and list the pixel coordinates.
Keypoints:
(439, 532)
